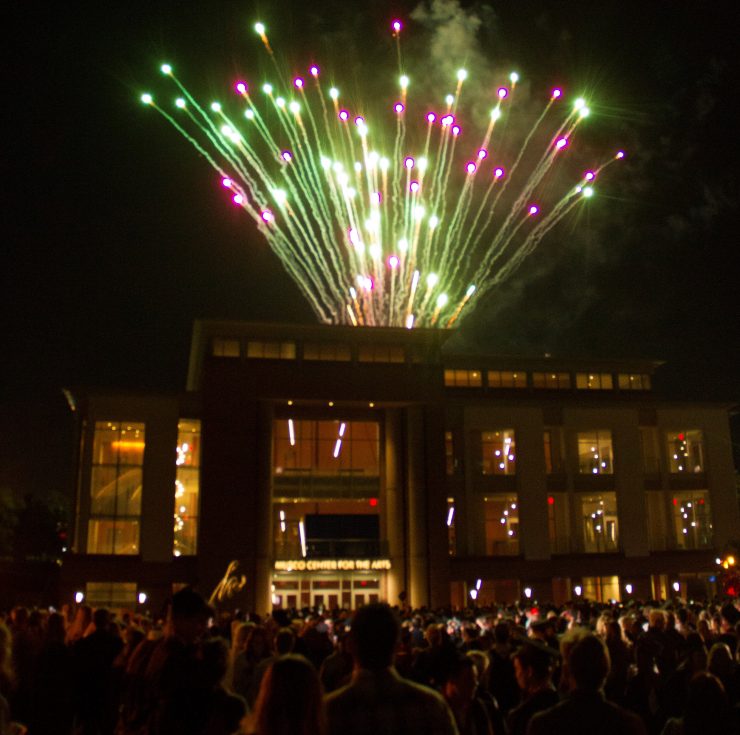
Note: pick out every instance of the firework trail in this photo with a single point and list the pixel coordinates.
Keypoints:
(374, 229)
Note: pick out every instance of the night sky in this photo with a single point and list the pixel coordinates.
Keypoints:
(117, 236)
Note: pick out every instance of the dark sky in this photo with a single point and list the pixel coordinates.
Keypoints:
(115, 237)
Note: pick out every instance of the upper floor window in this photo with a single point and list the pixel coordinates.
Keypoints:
(381, 353)
(594, 381)
(556, 381)
(686, 451)
(595, 456)
(116, 488)
(327, 351)
(187, 487)
(463, 378)
(225, 347)
(271, 350)
(633, 381)
(498, 452)
(328, 447)
(692, 519)
(599, 526)
(506, 379)
(501, 513)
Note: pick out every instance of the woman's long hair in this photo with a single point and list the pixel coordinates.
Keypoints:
(290, 700)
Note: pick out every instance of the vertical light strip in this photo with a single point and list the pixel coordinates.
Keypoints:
(302, 531)
(450, 516)
(291, 432)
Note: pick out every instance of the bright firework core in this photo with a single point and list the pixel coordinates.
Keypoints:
(395, 221)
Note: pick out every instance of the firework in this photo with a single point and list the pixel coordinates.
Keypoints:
(404, 224)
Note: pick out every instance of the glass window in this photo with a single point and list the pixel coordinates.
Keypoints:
(328, 447)
(498, 452)
(110, 594)
(506, 379)
(686, 451)
(225, 347)
(554, 381)
(271, 350)
(502, 524)
(463, 378)
(558, 523)
(327, 351)
(598, 515)
(332, 528)
(187, 488)
(594, 381)
(633, 381)
(449, 454)
(116, 487)
(381, 353)
(595, 455)
(692, 519)
(601, 589)
(451, 533)
(649, 449)
(656, 519)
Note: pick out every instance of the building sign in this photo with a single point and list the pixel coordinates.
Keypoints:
(332, 565)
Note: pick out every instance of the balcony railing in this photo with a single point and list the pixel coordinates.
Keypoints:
(335, 548)
(306, 483)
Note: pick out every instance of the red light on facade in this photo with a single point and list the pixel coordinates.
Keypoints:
(363, 583)
(681, 437)
(373, 502)
(700, 501)
(550, 500)
(675, 501)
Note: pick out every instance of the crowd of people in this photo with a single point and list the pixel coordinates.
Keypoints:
(521, 670)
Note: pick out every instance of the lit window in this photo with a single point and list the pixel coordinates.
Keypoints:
(187, 488)
(506, 379)
(463, 378)
(633, 381)
(594, 381)
(598, 516)
(381, 353)
(110, 594)
(271, 350)
(501, 513)
(686, 451)
(692, 519)
(551, 381)
(595, 455)
(601, 589)
(498, 452)
(225, 347)
(327, 351)
(116, 488)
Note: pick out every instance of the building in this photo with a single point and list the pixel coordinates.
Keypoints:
(311, 465)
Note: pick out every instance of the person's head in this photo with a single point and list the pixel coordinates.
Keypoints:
(258, 643)
(531, 666)
(190, 614)
(720, 662)
(290, 700)
(461, 681)
(696, 652)
(656, 620)
(55, 628)
(501, 633)
(284, 641)
(482, 662)
(707, 709)
(101, 619)
(374, 636)
(588, 664)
